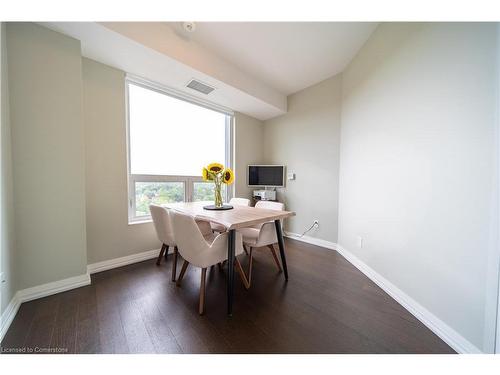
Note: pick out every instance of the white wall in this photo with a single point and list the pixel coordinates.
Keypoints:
(306, 140)
(418, 167)
(7, 258)
(109, 235)
(494, 265)
(248, 149)
(45, 88)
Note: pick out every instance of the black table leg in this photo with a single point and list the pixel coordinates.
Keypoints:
(281, 243)
(230, 270)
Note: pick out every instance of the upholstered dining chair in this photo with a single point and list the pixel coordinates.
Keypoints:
(202, 251)
(262, 235)
(235, 202)
(165, 233)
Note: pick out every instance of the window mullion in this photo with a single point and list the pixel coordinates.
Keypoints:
(189, 190)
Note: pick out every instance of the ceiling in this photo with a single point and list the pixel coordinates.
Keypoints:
(288, 56)
(253, 66)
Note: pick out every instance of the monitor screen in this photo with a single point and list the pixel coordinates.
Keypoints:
(266, 175)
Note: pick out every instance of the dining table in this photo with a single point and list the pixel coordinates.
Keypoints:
(233, 219)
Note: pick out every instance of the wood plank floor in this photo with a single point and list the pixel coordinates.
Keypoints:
(327, 306)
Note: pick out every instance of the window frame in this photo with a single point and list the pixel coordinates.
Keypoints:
(187, 180)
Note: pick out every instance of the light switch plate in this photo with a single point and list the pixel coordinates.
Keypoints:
(290, 176)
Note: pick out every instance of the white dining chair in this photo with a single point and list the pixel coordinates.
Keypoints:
(235, 202)
(262, 235)
(199, 251)
(165, 233)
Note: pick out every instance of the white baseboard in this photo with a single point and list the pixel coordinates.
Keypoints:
(436, 325)
(122, 261)
(54, 287)
(312, 240)
(39, 291)
(8, 315)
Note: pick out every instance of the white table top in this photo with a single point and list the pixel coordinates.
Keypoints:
(238, 217)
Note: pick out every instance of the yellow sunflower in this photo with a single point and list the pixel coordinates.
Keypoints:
(206, 175)
(228, 177)
(215, 167)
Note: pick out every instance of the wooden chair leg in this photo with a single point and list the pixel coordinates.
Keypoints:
(246, 283)
(250, 266)
(174, 265)
(166, 253)
(273, 251)
(164, 248)
(245, 249)
(183, 271)
(201, 308)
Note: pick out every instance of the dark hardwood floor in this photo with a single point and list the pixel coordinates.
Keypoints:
(327, 306)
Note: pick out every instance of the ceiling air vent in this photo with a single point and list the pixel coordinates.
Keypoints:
(200, 87)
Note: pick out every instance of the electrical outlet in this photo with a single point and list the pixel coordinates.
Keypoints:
(2, 279)
(360, 242)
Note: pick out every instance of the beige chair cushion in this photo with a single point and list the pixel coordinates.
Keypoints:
(209, 237)
(218, 227)
(269, 205)
(162, 224)
(262, 234)
(205, 227)
(240, 202)
(197, 249)
(250, 235)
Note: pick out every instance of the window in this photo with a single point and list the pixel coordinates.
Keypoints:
(156, 192)
(170, 138)
(204, 191)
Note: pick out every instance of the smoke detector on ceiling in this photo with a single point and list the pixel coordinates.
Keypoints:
(194, 84)
(190, 27)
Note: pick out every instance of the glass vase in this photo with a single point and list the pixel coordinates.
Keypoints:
(218, 192)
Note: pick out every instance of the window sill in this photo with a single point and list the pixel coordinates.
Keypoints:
(135, 222)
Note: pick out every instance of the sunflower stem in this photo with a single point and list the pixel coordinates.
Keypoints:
(218, 190)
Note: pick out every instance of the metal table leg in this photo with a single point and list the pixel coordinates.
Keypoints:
(230, 270)
(281, 243)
